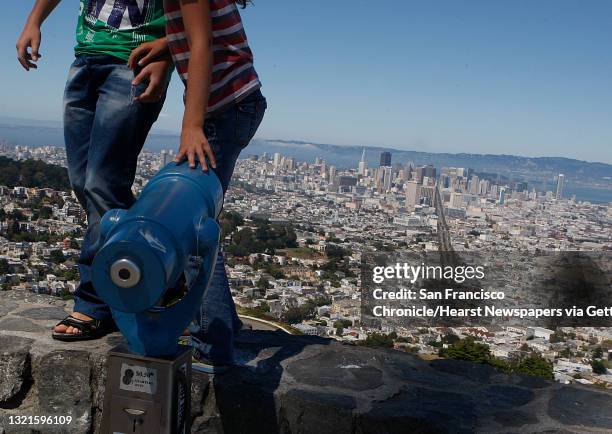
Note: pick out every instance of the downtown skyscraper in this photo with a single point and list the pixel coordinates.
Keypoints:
(560, 185)
(385, 159)
(363, 165)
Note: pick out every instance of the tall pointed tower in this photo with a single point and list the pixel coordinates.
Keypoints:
(363, 166)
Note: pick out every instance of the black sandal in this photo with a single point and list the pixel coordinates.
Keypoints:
(90, 329)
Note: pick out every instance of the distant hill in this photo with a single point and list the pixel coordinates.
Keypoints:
(42, 133)
(540, 170)
(515, 167)
(33, 173)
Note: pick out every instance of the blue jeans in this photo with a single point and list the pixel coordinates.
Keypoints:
(104, 130)
(228, 134)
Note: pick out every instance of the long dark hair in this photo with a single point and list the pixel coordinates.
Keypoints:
(242, 3)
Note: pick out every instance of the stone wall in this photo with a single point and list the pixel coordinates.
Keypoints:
(288, 384)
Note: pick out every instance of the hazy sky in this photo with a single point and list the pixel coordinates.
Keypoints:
(485, 76)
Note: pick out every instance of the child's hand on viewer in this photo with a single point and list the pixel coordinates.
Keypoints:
(195, 144)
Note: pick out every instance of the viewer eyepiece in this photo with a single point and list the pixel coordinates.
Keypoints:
(125, 273)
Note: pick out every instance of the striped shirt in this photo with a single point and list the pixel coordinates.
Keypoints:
(233, 74)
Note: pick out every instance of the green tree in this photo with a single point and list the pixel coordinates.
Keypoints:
(450, 338)
(293, 315)
(4, 267)
(18, 215)
(263, 308)
(500, 364)
(342, 323)
(45, 212)
(33, 173)
(378, 340)
(599, 367)
(336, 252)
(229, 222)
(58, 201)
(323, 300)
(557, 337)
(296, 315)
(57, 257)
(71, 274)
(237, 250)
(535, 366)
(598, 352)
(467, 349)
(263, 284)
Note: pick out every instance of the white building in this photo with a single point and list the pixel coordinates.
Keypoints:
(539, 332)
(306, 329)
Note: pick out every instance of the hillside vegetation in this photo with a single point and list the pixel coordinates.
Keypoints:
(33, 173)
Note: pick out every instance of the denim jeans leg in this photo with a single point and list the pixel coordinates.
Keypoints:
(217, 321)
(80, 98)
(228, 134)
(116, 136)
(79, 111)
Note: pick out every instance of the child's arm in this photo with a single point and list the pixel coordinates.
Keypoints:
(156, 75)
(147, 52)
(153, 63)
(198, 29)
(30, 36)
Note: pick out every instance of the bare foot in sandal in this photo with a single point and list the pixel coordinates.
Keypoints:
(61, 328)
(80, 327)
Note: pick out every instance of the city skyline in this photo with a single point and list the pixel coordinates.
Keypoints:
(493, 78)
(583, 188)
(403, 175)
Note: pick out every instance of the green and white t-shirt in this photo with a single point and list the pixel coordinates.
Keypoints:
(116, 27)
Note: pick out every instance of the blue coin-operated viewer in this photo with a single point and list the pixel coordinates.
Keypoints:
(145, 251)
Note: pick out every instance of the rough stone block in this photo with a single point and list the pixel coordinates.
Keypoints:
(54, 313)
(301, 409)
(63, 381)
(15, 324)
(15, 370)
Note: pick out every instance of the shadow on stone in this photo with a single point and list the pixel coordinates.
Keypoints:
(581, 406)
(254, 384)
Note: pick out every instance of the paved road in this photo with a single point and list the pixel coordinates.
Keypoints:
(443, 232)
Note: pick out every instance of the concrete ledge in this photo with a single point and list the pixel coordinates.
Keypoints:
(288, 384)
